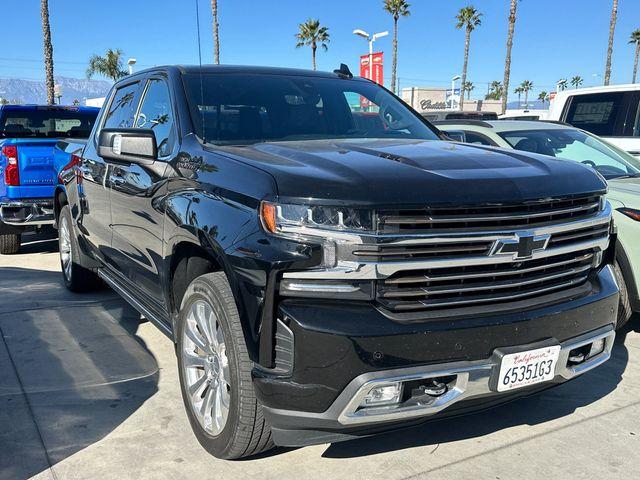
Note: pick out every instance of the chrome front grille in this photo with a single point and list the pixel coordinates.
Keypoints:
(437, 264)
(516, 216)
(460, 286)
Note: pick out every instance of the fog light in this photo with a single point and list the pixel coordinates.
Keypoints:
(596, 348)
(383, 395)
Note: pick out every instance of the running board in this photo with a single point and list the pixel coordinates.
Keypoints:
(135, 303)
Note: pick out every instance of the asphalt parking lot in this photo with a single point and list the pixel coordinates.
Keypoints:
(88, 390)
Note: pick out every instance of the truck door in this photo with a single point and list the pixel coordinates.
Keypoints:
(136, 191)
(95, 198)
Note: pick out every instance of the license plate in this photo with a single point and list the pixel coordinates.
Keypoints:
(522, 369)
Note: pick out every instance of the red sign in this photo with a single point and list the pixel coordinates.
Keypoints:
(378, 71)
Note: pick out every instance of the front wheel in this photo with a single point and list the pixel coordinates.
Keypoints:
(76, 277)
(624, 306)
(10, 244)
(215, 372)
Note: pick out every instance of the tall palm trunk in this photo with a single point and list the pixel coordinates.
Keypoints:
(216, 36)
(314, 47)
(48, 51)
(635, 62)
(612, 28)
(507, 60)
(526, 98)
(467, 41)
(394, 64)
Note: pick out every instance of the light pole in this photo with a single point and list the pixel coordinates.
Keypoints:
(370, 39)
(131, 62)
(453, 88)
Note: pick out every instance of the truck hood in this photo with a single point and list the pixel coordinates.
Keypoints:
(412, 172)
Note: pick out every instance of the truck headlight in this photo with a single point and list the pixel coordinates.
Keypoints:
(316, 220)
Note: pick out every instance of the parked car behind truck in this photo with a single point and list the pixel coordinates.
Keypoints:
(28, 134)
(611, 112)
(324, 277)
(620, 169)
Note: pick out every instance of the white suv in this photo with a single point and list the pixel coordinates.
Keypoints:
(611, 112)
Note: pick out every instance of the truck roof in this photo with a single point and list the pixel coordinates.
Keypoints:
(246, 69)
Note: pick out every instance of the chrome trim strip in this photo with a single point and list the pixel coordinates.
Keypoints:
(474, 379)
(468, 235)
(439, 289)
(442, 278)
(381, 270)
(399, 220)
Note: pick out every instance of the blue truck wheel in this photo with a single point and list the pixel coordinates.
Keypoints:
(10, 243)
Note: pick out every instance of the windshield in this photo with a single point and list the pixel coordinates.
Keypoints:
(241, 109)
(575, 145)
(46, 123)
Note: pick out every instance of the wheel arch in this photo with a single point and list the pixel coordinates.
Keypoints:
(629, 277)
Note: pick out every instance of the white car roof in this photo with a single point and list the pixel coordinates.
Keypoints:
(503, 125)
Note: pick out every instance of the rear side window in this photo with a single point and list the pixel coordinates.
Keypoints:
(596, 113)
(49, 122)
(120, 113)
(156, 114)
(478, 138)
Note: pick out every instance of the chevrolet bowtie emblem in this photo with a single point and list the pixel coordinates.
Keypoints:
(523, 246)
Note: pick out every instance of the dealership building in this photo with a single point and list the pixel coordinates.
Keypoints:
(430, 99)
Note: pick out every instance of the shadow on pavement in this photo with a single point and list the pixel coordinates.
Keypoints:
(72, 369)
(539, 408)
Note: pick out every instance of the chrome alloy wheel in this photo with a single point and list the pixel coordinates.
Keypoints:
(66, 256)
(205, 367)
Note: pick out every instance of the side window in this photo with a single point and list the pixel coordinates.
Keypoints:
(120, 113)
(478, 138)
(156, 114)
(596, 113)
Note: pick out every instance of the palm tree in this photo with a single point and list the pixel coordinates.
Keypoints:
(313, 34)
(526, 87)
(507, 62)
(543, 97)
(48, 51)
(518, 90)
(612, 28)
(467, 87)
(109, 66)
(468, 18)
(397, 9)
(495, 91)
(562, 84)
(576, 81)
(216, 36)
(635, 38)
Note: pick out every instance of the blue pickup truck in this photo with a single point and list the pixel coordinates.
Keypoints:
(28, 135)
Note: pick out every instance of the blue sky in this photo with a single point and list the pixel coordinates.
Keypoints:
(554, 38)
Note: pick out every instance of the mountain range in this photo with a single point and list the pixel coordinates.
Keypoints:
(19, 90)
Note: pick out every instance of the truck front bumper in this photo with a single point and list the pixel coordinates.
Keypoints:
(27, 212)
(337, 362)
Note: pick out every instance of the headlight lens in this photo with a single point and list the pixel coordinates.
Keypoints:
(631, 213)
(291, 218)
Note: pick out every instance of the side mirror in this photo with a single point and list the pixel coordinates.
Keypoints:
(132, 145)
(456, 135)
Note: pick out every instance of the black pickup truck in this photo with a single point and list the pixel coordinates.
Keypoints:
(327, 264)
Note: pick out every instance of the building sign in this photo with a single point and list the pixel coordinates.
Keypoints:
(378, 69)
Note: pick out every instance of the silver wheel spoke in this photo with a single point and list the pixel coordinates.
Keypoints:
(196, 388)
(196, 337)
(192, 360)
(205, 367)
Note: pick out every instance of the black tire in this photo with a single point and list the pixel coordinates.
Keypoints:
(624, 306)
(10, 243)
(77, 278)
(245, 432)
